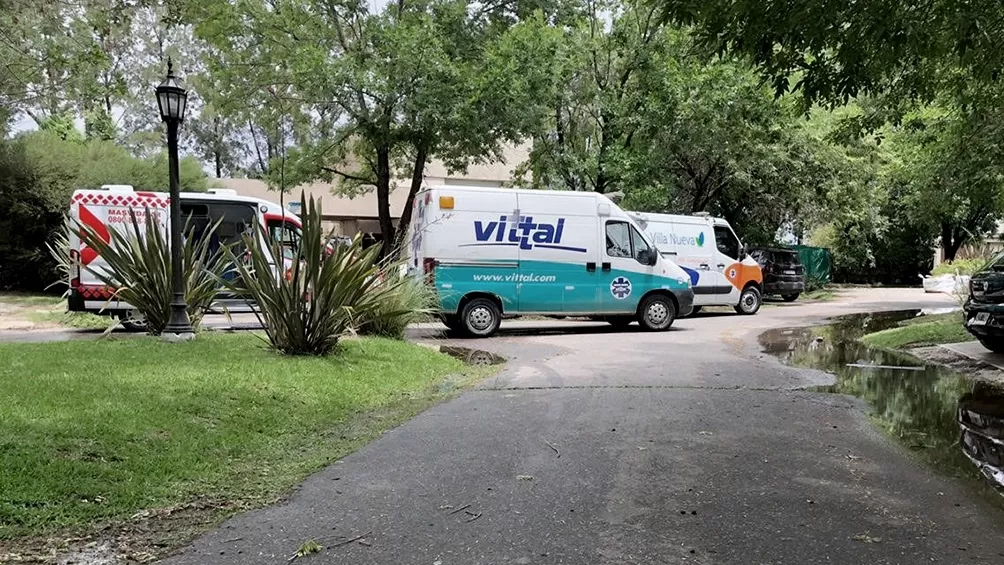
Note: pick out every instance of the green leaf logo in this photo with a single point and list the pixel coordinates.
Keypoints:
(700, 240)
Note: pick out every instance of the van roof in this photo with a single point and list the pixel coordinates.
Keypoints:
(573, 193)
(223, 196)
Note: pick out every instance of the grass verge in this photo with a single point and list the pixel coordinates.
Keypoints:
(922, 331)
(96, 432)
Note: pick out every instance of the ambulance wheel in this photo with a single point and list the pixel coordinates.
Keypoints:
(749, 301)
(619, 321)
(133, 321)
(481, 317)
(657, 313)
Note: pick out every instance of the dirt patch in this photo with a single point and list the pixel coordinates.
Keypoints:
(971, 367)
(145, 537)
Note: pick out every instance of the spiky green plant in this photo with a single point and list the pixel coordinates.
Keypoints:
(139, 269)
(59, 250)
(306, 306)
(401, 300)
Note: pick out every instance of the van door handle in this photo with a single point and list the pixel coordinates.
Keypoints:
(606, 266)
(720, 266)
(591, 267)
(705, 267)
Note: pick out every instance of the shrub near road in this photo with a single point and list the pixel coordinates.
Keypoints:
(93, 431)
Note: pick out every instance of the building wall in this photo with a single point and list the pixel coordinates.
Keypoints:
(351, 215)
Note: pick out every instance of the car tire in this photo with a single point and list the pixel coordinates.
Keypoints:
(133, 321)
(790, 297)
(994, 344)
(481, 317)
(657, 313)
(620, 321)
(750, 301)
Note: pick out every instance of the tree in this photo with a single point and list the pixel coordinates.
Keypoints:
(836, 51)
(388, 91)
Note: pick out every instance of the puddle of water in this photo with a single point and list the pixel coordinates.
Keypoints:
(950, 419)
(472, 356)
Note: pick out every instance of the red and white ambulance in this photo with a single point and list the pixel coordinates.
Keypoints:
(109, 209)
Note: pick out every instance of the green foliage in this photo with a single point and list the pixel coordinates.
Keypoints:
(835, 51)
(960, 267)
(139, 269)
(401, 300)
(39, 172)
(307, 306)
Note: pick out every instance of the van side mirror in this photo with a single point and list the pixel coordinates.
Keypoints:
(647, 257)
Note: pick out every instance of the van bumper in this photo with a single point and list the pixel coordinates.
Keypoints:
(684, 301)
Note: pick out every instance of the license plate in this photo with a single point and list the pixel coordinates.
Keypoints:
(981, 319)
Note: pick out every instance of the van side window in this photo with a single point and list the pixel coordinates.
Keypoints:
(619, 239)
(728, 243)
(638, 244)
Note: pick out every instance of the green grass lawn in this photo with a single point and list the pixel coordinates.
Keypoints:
(25, 299)
(925, 330)
(93, 431)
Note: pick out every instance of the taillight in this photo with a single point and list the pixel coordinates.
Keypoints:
(429, 268)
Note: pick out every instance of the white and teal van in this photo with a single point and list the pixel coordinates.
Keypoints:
(494, 252)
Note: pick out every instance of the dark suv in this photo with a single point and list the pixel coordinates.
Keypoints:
(984, 310)
(783, 272)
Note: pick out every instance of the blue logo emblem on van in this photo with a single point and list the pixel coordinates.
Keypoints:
(620, 287)
(523, 233)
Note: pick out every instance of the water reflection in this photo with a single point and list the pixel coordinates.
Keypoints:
(921, 405)
(472, 356)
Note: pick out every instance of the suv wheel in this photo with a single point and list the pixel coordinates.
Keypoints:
(995, 344)
(481, 317)
(749, 301)
(657, 313)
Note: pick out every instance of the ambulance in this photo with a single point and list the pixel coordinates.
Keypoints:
(492, 253)
(720, 271)
(109, 209)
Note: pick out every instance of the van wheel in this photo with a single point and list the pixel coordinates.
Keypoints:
(789, 297)
(481, 317)
(749, 301)
(657, 313)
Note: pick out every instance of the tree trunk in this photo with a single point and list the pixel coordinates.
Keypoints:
(383, 200)
(218, 147)
(417, 175)
(951, 241)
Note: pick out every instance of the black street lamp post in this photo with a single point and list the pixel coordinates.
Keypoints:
(171, 98)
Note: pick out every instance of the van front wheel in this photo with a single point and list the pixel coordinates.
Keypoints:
(749, 301)
(481, 317)
(657, 313)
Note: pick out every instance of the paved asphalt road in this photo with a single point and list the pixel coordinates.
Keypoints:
(595, 446)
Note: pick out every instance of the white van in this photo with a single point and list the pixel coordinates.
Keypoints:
(721, 273)
(493, 252)
(109, 209)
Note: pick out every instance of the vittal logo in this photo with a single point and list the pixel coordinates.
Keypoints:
(521, 232)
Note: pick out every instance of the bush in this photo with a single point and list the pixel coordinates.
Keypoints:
(140, 265)
(39, 172)
(320, 297)
(959, 267)
(401, 300)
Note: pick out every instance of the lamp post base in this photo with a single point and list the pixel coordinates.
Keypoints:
(171, 337)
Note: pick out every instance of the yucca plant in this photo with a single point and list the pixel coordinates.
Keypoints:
(400, 300)
(306, 306)
(139, 265)
(59, 250)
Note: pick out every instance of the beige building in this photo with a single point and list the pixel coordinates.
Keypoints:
(349, 216)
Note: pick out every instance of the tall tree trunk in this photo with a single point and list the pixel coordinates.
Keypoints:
(383, 199)
(218, 147)
(417, 175)
(951, 241)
